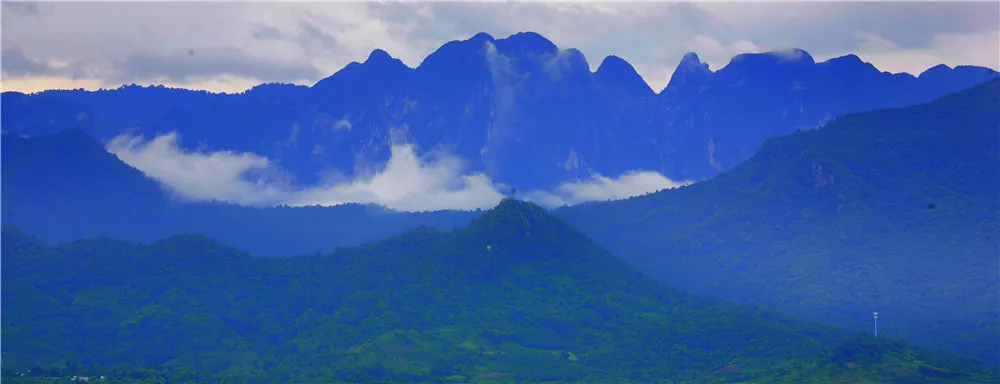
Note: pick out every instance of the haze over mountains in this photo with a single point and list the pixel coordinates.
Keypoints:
(519, 110)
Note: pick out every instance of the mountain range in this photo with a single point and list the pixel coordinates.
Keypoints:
(895, 211)
(525, 112)
(515, 295)
(826, 191)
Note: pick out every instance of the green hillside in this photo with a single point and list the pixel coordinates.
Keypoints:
(517, 295)
(894, 211)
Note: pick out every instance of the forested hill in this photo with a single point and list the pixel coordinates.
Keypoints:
(517, 295)
(894, 211)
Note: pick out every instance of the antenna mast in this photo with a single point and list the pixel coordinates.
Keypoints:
(875, 315)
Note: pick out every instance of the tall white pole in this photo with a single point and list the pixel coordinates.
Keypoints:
(875, 315)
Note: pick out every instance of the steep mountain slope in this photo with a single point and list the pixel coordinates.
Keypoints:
(520, 109)
(725, 116)
(894, 211)
(517, 295)
(66, 187)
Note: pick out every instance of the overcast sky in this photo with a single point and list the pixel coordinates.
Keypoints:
(232, 46)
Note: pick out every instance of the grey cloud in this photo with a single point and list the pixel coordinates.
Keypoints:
(595, 29)
(110, 38)
(181, 67)
(21, 8)
(266, 32)
(16, 63)
(419, 22)
(439, 22)
(907, 24)
(310, 34)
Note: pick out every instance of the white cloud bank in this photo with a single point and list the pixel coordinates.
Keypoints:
(408, 181)
(197, 175)
(601, 188)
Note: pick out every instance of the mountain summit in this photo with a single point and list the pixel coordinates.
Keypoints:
(505, 105)
(616, 72)
(690, 75)
(379, 56)
(515, 215)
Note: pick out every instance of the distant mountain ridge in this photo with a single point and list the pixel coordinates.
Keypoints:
(894, 210)
(527, 113)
